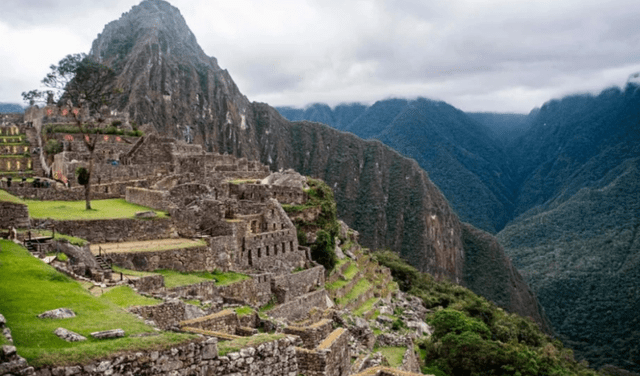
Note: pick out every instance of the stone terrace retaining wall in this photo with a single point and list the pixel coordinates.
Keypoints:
(166, 315)
(299, 283)
(196, 358)
(13, 214)
(98, 192)
(225, 321)
(298, 308)
(312, 335)
(331, 357)
(158, 200)
(113, 230)
(255, 291)
(183, 260)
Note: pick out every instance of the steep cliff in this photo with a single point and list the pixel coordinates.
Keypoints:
(169, 82)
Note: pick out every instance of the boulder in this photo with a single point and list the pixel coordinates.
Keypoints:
(68, 335)
(146, 214)
(113, 333)
(59, 313)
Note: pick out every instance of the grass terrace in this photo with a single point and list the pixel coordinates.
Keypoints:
(8, 197)
(124, 296)
(72, 210)
(29, 287)
(394, 355)
(174, 278)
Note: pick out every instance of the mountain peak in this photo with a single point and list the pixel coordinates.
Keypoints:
(152, 23)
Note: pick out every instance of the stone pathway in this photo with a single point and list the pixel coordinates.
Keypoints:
(145, 246)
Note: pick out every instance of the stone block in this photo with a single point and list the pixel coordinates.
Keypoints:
(59, 313)
(68, 335)
(113, 333)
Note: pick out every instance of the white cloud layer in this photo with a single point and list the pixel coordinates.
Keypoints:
(489, 55)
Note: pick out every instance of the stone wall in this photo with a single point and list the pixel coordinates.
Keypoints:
(225, 321)
(158, 200)
(195, 358)
(148, 283)
(17, 163)
(330, 358)
(299, 283)
(254, 292)
(98, 192)
(13, 214)
(311, 335)
(113, 230)
(166, 315)
(262, 192)
(183, 260)
(298, 308)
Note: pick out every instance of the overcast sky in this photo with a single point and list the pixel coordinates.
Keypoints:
(482, 55)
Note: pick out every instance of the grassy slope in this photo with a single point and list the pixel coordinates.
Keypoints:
(6, 196)
(69, 210)
(29, 287)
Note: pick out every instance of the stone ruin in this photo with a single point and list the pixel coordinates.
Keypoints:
(234, 205)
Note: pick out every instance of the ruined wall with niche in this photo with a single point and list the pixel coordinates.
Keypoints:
(16, 164)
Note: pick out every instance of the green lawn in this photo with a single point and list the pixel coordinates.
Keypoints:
(360, 288)
(6, 196)
(366, 306)
(393, 354)
(29, 287)
(101, 209)
(124, 296)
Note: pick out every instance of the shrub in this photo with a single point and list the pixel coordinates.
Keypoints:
(451, 321)
(53, 147)
(323, 250)
(83, 175)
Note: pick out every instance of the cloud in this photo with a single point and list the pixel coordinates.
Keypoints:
(493, 55)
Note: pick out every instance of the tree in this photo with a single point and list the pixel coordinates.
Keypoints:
(83, 89)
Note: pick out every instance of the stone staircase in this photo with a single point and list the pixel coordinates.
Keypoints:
(104, 265)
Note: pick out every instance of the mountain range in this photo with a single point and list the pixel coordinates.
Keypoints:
(170, 85)
(558, 186)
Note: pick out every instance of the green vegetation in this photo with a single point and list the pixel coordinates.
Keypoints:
(69, 210)
(366, 306)
(326, 224)
(52, 147)
(124, 296)
(244, 311)
(474, 337)
(227, 347)
(62, 257)
(29, 287)
(394, 355)
(360, 288)
(8, 197)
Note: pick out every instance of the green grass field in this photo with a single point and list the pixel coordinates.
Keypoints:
(29, 287)
(393, 354)
(6, 196)
(69, 210)
(124, 296)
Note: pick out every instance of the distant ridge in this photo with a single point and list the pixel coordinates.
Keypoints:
(11, 108)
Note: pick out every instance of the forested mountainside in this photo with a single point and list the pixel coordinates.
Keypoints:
(169, 83)
(446, 142)
(571, 199)
(8, 108)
